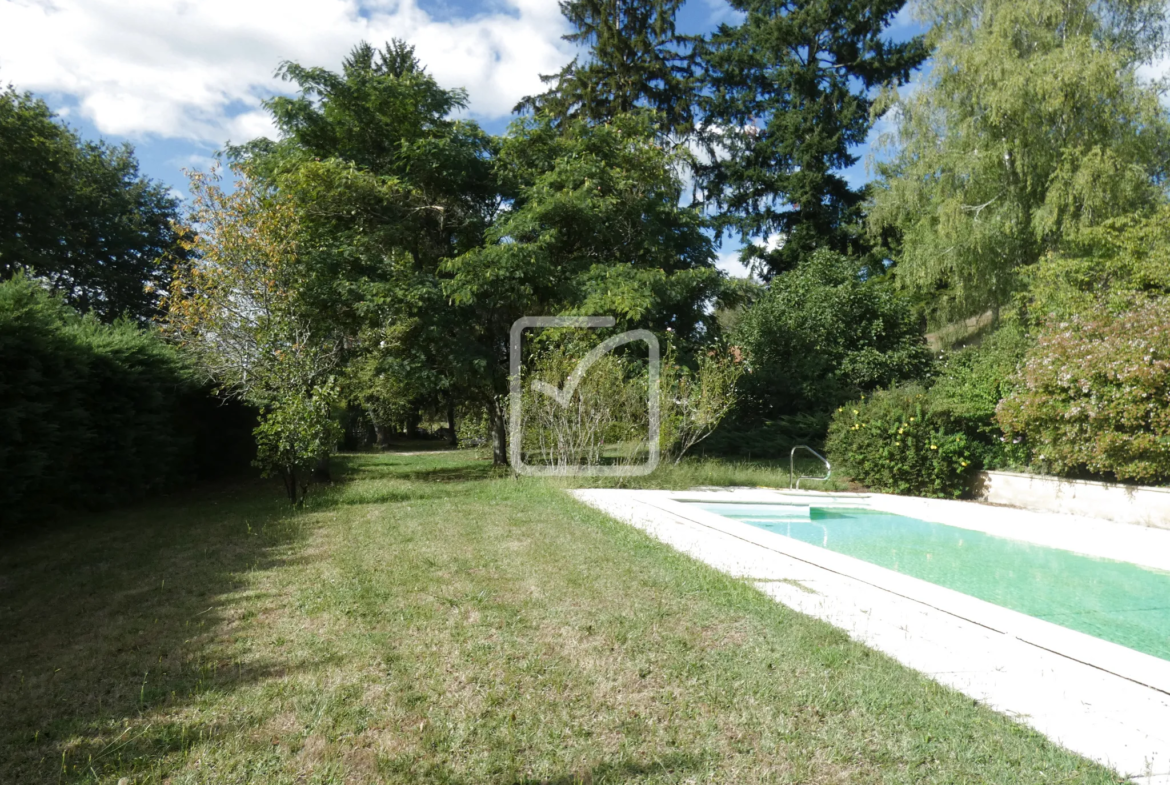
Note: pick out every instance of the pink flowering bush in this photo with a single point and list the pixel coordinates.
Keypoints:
(1093, 395)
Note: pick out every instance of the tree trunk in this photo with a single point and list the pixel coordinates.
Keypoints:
(452, 439)
(289, 476)
(499, 434)
(379, 431)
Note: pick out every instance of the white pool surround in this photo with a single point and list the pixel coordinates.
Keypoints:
(1104, 701)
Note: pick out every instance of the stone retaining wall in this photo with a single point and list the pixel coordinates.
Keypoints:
(1122, 503)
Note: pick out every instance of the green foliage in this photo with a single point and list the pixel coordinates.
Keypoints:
(606, 417)
(295, 434)
(749, 437)
(93, 415)
(240, 311)
(1094, 395)
(595, 228)
(635, 60)
(892, 443)
(80, 216)
(386, 185)
(787, 95)
(1032, 125)
(821, 335)
(695, 400)
(968, 387)
(1110, 267)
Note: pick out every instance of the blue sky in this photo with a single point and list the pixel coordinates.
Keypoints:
(179, 78)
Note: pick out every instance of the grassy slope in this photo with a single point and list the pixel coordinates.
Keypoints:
(427, 621)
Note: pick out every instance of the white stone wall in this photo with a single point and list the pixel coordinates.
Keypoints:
(1120, 503)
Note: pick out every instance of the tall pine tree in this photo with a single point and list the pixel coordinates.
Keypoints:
(785, 95)
(636, 60)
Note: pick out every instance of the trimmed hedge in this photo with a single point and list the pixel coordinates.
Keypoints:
(95, 415)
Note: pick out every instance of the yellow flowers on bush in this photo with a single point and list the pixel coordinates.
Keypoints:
(902, 450)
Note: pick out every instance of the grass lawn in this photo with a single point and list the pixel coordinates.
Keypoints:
(427, 620)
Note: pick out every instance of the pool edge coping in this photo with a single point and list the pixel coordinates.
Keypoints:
(1130, 664)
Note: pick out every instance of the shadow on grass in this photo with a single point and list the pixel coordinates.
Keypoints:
(622, 771)
(469, 472)
(124, 614)
(597, 774)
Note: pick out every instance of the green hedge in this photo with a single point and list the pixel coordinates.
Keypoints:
(892, 443)
(95, 415)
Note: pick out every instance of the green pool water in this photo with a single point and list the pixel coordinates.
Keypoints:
(1116, 601)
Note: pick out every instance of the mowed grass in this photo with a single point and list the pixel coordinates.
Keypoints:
(429, 620)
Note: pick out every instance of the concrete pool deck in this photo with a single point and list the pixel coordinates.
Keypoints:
(1101, 700)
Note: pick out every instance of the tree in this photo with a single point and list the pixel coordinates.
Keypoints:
(786, 94)
(386, 185)
(595, 228)
(822, 335)
(1031, 125)
(79, 216)
(1108, 268)
(636, 60)
(237, 308)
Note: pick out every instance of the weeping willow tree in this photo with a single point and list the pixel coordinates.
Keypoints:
(1032, 124)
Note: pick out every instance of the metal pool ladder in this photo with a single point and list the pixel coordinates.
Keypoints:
(793, 480)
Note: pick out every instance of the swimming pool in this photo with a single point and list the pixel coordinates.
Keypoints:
(1116, 601)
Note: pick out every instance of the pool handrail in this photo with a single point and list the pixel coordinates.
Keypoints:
(793, 481)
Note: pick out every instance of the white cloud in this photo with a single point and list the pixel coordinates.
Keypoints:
(721, 12)
(728, 262)
(198, 69)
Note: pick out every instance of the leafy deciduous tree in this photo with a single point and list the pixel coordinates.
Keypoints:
(595, 228)
(237, 307)
(386, 185)
(1032, 125)
(821, 335)
(79, 215)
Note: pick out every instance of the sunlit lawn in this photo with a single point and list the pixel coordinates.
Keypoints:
(428, 620)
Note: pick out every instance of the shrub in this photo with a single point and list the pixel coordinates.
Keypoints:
(968, 387)
(1094, 395)
(296, 434)
(607, 411)
(695, 401)
(891, 443)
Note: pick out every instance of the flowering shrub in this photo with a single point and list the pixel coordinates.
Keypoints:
(1094, 395)
(890, 442)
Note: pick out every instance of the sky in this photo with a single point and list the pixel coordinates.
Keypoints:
(178, 79)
